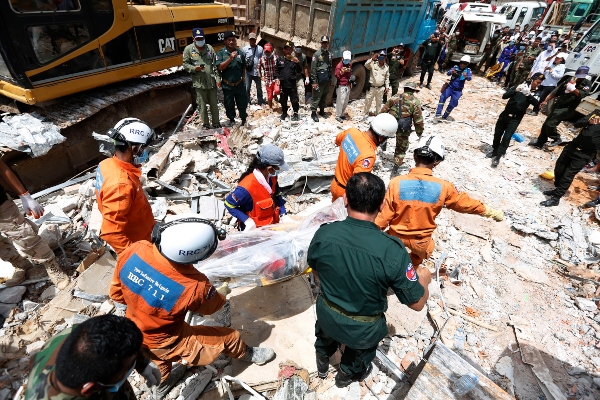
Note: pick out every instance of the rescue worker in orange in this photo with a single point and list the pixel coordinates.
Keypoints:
(413, 201)
(159, 285)
(126, 213)
(358, 150)
(257, 200)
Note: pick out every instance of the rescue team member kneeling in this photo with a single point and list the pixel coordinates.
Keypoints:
(91, 360)
(159, 285)
(126, 214)
(358, 150)
(413, 201)
(356, 264)
(257, 200)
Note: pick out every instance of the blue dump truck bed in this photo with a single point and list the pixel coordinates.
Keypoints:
(360, 26)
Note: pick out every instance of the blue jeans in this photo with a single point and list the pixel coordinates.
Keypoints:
(259, 93)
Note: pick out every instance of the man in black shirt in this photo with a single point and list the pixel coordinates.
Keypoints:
(286, 70)
(508, 121)
(575, 156)
(431, 52)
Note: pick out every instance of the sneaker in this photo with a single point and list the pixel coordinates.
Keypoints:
(592, 203)
(534, 113)
(295, 117)
(322, 366)
(258, 355)
(448, 118)
(161, 391)
(495, 161)
(555, 143)
(549, 192)
(314, 117)
(551, 202)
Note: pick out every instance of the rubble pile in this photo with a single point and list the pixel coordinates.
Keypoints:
(516, 299)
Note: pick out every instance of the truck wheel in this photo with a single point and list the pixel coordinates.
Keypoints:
(329, 99)
(360, 73)
(413, 63)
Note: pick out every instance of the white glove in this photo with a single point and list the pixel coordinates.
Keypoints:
(152, 374)
(250, 225)
(30, 206)
(307, 80)
(523, 88)
(570, 87)
(284, 219)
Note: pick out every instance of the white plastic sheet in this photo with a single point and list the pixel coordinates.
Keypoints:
(25, 132)
(268, 255)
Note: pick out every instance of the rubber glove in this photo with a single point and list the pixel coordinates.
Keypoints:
(570, 87)
(496, 215)
(152, 374)
(224, 288)
(307, 80)
(30, 206)
(250, 224)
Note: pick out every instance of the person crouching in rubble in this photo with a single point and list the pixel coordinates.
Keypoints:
(413, 201)
(257, 200)
(159, 285)
(356, 264)
(358, 150)
(91, 360)
(126, 213)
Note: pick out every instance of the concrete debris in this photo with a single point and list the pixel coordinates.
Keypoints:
(12, 294)
(25, 132)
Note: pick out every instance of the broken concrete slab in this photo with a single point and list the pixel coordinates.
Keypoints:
(5, 309)
(530, 273)
(96, 279)
(12, 294)
(472, 224)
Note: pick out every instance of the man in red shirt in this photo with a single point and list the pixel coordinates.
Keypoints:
(343, 73)
(159, 285)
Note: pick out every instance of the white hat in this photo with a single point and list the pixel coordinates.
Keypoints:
(466, 59)
(430, 146)
(562, 55)
(347, 55)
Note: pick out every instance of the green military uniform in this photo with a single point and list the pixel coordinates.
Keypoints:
(494, 46)
(396, 70)
(563, 107)
(411, 108)
(232, 78)
(42, 378)
(204, 81)
(524, 65)
(321, 61)
(452, 45)
(356, 264)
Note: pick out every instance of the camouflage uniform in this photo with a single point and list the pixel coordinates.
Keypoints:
(411, 107)
(494, 46)
(205, 81)
(452, 45)
(22, 232)
(524, 65)
(41, 378)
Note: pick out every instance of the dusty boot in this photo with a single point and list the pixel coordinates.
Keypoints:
(161, 391)
(57, 274)
(258, 355)
(18, 277)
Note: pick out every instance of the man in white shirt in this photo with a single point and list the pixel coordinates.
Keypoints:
(553, 72)
(253, 53)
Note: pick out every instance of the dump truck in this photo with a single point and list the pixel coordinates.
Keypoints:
(77, 64)
(361, 26)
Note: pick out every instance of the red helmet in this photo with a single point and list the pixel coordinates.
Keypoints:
(268, 47)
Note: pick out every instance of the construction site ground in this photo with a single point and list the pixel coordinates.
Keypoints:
(524, 290)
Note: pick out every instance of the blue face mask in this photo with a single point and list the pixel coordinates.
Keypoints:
(200, 43)
(142, 158)
(115, 388)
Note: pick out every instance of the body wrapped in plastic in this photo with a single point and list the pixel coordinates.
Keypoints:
(271, 254)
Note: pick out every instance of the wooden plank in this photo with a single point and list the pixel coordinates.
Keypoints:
(442, 369)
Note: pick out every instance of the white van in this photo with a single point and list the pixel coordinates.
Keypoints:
(475, 23)
(522, 12)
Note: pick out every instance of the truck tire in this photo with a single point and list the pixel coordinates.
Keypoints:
(360, 73)
(413, 63)
(329, 99)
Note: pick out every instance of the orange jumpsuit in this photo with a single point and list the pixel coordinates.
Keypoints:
(357, 154)
(158, 293)
(412, 203)
(126, 214)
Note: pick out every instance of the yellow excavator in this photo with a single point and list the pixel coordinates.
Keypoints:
(78, 63)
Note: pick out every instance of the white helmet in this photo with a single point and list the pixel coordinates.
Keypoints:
(185, 239)
(466, 59)
(385, 125)
(131, 130)
(431, 146)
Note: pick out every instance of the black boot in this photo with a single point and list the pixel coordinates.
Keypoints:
(283, 116)
(495, 161)
(492, 154)
(322, 366)
(549, 192)
(314, 117)
(551, 202)
(342, 380)
(295, 117)
(536, 143)
(322, 113)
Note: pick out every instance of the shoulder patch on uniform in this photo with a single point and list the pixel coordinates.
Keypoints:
(211, 293)
(366, 163)
(411, 274)
(234, 197)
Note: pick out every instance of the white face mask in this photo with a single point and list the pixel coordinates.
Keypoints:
(200, 43)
